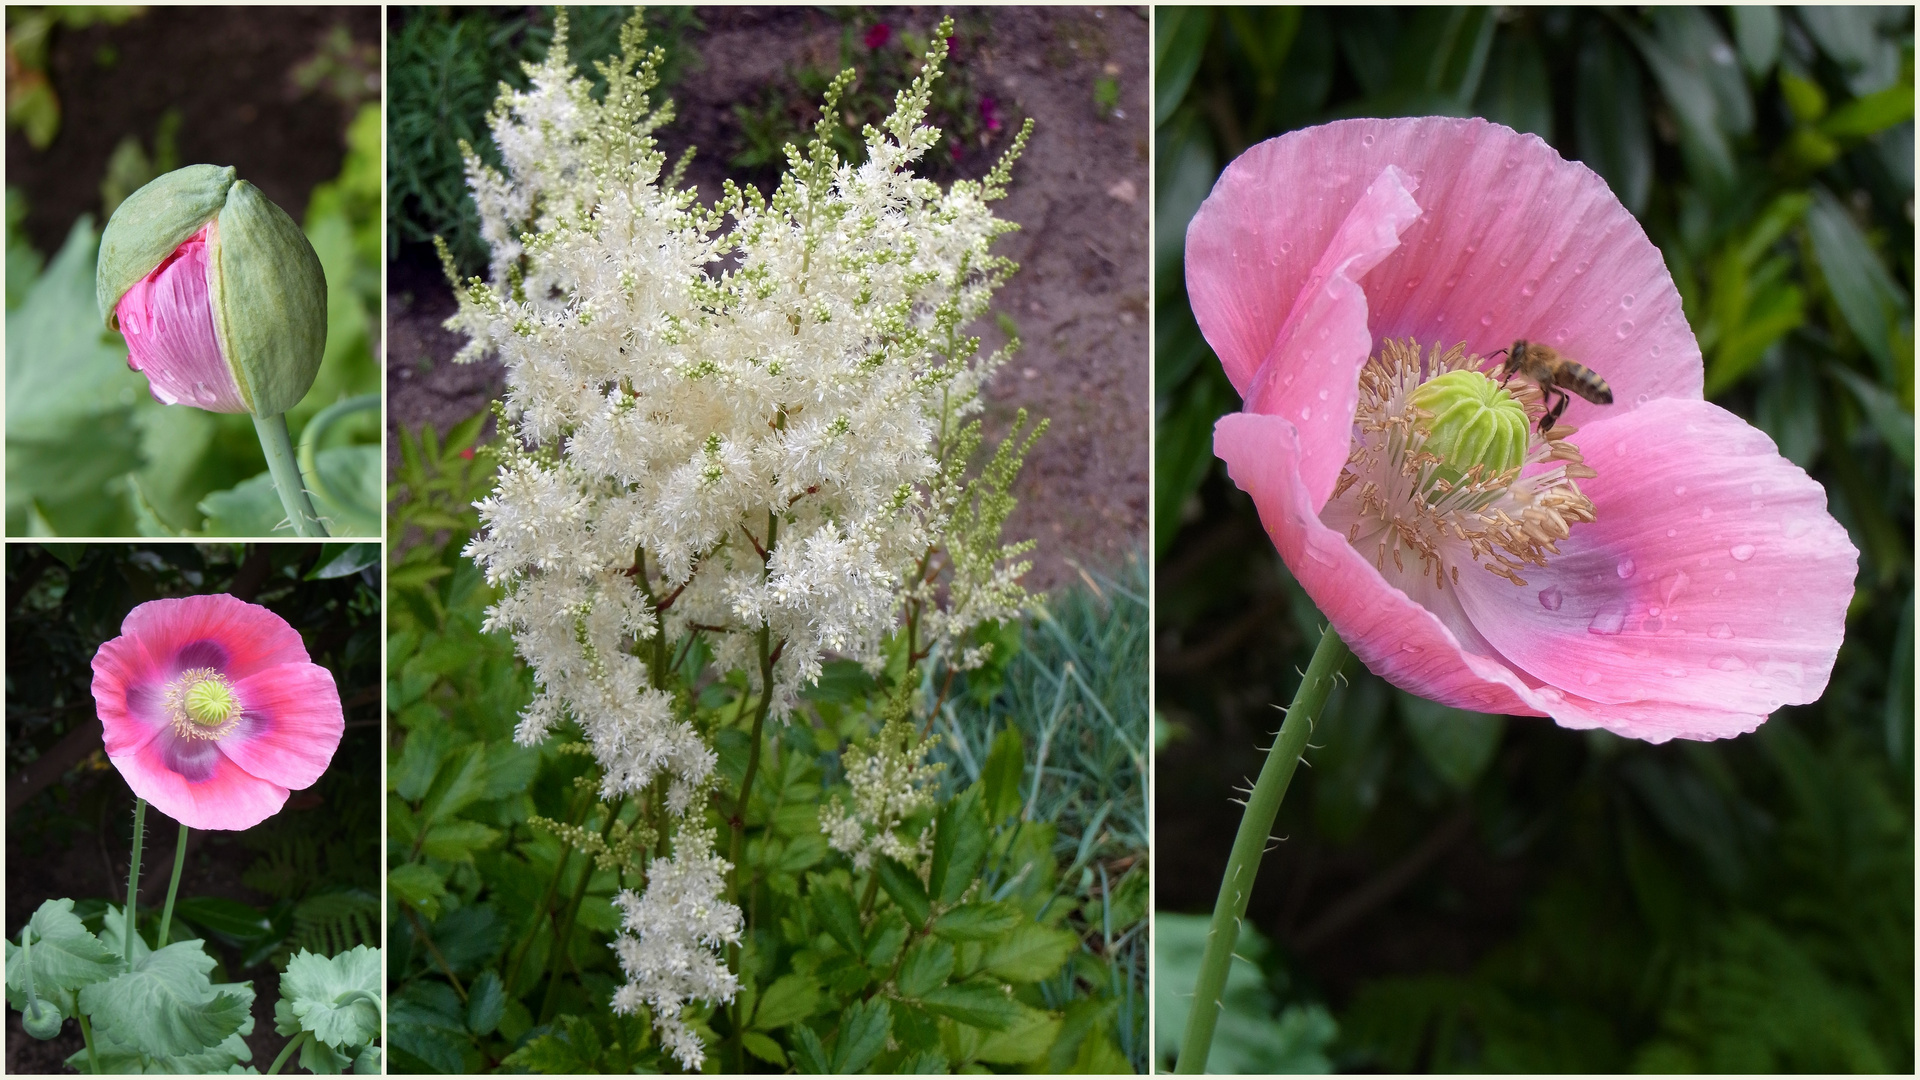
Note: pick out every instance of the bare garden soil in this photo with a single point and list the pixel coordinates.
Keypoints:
(1079, 301)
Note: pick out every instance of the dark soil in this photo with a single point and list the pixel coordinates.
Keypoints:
(1080, 299)
(228, 72)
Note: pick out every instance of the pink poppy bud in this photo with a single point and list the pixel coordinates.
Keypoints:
(167, 320)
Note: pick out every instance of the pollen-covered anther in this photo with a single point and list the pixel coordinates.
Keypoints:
(1437, 464)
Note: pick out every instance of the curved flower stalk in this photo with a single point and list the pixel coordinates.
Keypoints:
(1651, 566)
(746, 422)
(212, 710)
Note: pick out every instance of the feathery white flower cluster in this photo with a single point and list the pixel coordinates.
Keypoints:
(889, 786)
(671, 934)
(737, 421)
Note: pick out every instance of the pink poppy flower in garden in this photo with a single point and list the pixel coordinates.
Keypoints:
(212, 710)
(1651, 566)
(167, 319)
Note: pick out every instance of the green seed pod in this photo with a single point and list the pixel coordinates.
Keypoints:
(41, 1019)
(1475, 422)
(220, 296)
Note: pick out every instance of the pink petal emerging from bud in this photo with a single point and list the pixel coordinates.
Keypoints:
(167, 319)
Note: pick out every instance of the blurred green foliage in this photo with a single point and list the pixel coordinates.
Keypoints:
(487, 972)
(1745, 905)
(32, 105)
(446, 68)
(885, 58)
(90, 453)
(316, 863)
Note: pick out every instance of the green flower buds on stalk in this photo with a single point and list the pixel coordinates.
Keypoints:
(1474, 422)
(223, 304)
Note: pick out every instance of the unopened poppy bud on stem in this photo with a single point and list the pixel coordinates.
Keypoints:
(223, 305)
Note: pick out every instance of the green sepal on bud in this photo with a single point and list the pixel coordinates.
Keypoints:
(265, 285)
(1474, 421)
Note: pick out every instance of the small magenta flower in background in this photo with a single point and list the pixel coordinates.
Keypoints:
(990, 113)
(212, 710)
(1653, 567)
(878, 35)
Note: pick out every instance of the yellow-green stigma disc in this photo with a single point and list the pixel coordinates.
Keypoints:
(1475, 422)
(210, 702)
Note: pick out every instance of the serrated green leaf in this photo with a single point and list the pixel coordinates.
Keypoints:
(1029, 953)
(903, 885)
(834, 907)
(884, 938)
(764, 1048)
(1000, 777)
(320, 1059)
(927, 964)
(959, 845)
(809, 1056)
(863, 1034)
(1024, 1040)
(65, 955)
(418, 885)
(166, 1005)
(336, 998)
(979, 1003)
(792, 998)
(976, 922)
(457, 841)
(486, 1003)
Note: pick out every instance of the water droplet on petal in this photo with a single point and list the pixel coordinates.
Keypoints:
(1674, 672)
(1366, 140)
(1590, 678)
(1796, 528)
(1412, 281)
(1627, 300)
(1408, 646)
(1673, 532)
(1651, 626)
(1624, 329)
(1532, 286)
(1655, 351)
(1727, 663)
(1452, 281)
(1642, 399)
(1741, 552)
(1286, 247)
(1550, 598)
(1654, 610)
(1624, 567)
(1486, 320)
(1720, 630)
(1323, 395)
(1680, 490)
(1581, 266)
(1306, 414)
(1607, 622)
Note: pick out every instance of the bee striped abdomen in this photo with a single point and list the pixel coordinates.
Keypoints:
(1583, 381)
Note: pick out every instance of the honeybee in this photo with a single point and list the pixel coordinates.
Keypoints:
(1556, 375)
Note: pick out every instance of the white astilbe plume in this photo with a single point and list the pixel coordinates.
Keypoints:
(890, 784)
(670, 938)
(748, 421)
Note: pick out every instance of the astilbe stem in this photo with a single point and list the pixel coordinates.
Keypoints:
(1236, 885)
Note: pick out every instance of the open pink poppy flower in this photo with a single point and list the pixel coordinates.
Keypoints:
(213, 711)
(1651, 566)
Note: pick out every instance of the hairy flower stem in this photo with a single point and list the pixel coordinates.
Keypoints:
(1236, 885)
(173, 887)
(552, 999)
(287, 1051)
(277, 444)
(133, 874)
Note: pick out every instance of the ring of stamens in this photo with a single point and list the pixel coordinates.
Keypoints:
(200, 704)
(1505, 521)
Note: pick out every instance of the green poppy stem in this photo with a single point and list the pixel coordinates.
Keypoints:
(133, 874)
(173, 887)
(1236, 885)
(287, 1051)
(276, 442)
(86, 1035)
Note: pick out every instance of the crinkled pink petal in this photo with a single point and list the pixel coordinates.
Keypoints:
(290, 725)
(1512, 242)
(1309, 368)
(192, 782)
(167, 320)
(127, 688)
(1712, 578)
(1398, 639)
(215, 631)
